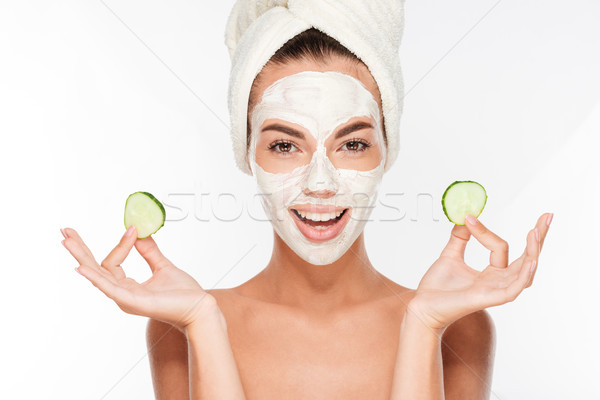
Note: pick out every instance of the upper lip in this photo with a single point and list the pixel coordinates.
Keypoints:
(318, 208)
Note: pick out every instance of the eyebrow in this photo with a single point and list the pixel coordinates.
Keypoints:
(353, 128)
(284, 129)
(341, 133)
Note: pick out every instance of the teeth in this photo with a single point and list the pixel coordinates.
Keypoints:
(319, 216)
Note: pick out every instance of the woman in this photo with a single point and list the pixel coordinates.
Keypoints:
(319, 322)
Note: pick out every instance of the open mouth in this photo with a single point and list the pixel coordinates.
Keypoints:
(322, 225)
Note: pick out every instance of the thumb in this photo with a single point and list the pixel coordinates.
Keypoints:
(459, 237)
(149, 251)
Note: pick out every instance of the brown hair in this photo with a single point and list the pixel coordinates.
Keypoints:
(312, 45)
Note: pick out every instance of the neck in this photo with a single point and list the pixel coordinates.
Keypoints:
(292, 281)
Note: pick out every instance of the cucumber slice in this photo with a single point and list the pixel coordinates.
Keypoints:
(462, 198)
(145, 212)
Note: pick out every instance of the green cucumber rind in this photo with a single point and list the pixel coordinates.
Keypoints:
(162, 209)
(455, 183)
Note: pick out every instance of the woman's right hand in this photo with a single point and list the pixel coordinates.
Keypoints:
(170, 295)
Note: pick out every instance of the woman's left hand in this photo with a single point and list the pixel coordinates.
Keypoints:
(450, 289)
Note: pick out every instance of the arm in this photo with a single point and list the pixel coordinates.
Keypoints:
(452, 296)
(172, 296)
(464, 357)
(211, 373)
(213, 370)
(418, 372)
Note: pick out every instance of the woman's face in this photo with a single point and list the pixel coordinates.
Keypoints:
(317, 152)
(363, 158)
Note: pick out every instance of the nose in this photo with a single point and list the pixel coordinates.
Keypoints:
(319, 194)
(320, 181)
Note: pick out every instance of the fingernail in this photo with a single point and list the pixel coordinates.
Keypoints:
(63, 233)
(130, 230)
(472, 220)
(549, 219)
(63, 242)
(532, 268)
(77, 270)
(537, 234)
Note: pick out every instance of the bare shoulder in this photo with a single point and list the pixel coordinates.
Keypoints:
(158, 330)
(218, 293)
(164, 337)
(468, 347)
(475, 331)
(231, 302)
(225, 296)
(396, 295)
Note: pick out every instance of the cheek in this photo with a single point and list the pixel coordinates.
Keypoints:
(280, 190)
(278, 161)
(365, 160)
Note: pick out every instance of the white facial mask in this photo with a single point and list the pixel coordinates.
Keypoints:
(320, 102)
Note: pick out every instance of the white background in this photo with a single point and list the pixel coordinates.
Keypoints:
(96, 104)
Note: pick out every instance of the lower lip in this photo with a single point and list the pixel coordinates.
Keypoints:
(321, 235)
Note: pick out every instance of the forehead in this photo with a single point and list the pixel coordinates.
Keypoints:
(320, 95)
(317, 100)
(274, 72)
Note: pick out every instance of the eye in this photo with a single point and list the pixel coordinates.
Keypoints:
(355, 145)
(283, 147)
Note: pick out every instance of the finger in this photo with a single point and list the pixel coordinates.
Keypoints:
(81, 254)
(72, 233)
(149, 251)
(531, 253)
(112, 262)
(525, 273)
(459, 237)
(543, 225)
(491, 241)
(106, 286)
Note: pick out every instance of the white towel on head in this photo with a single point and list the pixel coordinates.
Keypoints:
(371, 29)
